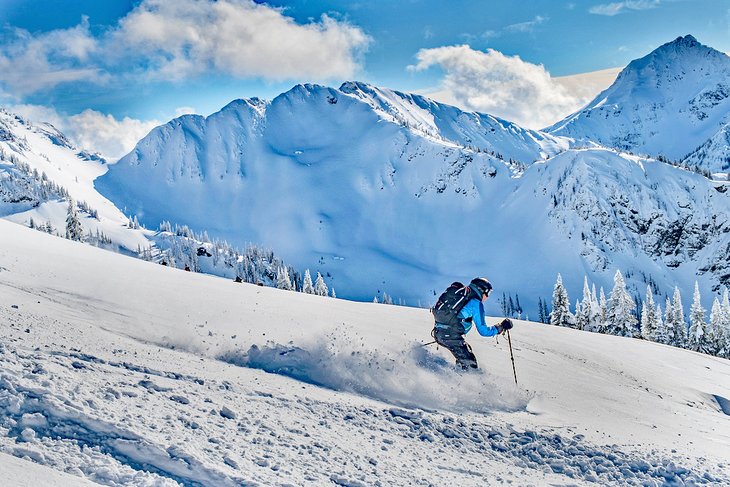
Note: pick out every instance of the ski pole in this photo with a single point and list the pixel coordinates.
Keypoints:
(509, 340)
(429, 343)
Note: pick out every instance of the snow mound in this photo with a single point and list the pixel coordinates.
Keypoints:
(417, 378)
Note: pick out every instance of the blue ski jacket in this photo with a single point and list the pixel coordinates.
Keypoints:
(474, 309)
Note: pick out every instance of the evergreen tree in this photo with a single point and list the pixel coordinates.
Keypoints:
(560, 315)
(332, 292)
(669, 321)
(74, 231)
(660, 334)
(282, 279)
(620, 319)
(680, 326)
(540, 313)
(584, 319)
(320, 288)
(602, 312)
(716, 330)
(725, 339)
(578, 317)
(697, 339)
(505, 305)
(307, 287)
(648, 316)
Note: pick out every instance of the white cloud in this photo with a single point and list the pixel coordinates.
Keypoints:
(93, 130)
(104, 133)
(32, 63)
(505, 86)
(526, 26)
(184, 111)
(615, 8)
(175, 40)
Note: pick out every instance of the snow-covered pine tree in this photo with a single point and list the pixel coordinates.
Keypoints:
(307, 287)
(680, 326)
(648, 316)
(669, 321)
(716, 330)
(332, 292)
(620, 319)
(725, 339)
(560, 315)
(282, 278)
(320, 288)
(602, 313)
(584, 321)
(579, 320)
(74, 231)
(660, 334)
(697, 339)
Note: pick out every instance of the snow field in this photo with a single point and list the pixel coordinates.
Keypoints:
(130, 373)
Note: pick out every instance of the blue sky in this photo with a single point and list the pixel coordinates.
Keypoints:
(102, 68)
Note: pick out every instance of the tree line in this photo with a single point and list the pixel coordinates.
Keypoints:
(620, 314)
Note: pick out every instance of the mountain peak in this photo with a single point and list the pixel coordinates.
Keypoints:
(683, 47)
(667, 103)
(684, 41)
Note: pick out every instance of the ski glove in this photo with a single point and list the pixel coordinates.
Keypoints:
(504, 325)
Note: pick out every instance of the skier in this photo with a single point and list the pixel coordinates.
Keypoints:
(457, 310)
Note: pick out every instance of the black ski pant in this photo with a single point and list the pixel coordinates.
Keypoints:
(454, 342)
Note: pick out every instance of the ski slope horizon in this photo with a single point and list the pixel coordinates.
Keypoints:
(174, 377)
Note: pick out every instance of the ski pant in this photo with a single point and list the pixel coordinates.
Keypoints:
(454, 342)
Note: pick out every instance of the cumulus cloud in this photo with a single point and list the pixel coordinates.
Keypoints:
(505, 86)
(103, 133)
(94, 130)
(175, 40)
(31, 63)
(240, 38)
(615, 8)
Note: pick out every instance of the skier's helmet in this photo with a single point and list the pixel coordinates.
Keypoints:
(481, 285)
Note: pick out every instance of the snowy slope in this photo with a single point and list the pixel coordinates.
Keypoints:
(48, 152)
(129, 373)
(667, 103)
(376, 190)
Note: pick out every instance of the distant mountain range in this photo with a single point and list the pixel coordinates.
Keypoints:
(389, 192)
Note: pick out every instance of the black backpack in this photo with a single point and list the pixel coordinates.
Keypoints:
(446, 309)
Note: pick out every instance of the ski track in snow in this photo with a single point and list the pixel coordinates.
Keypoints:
(127, 413)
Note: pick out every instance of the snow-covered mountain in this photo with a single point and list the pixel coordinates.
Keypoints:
(668, 103)
(120, 372)
(40, 169)
(387, 192)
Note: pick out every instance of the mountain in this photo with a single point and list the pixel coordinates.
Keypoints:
(333, 179)
(384, 192)
(120, 372)
(40, 170)
(667, 104)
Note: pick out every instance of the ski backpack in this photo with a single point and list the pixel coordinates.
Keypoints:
(447, 307)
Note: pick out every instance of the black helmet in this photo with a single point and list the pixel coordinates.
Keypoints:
(481, 285)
